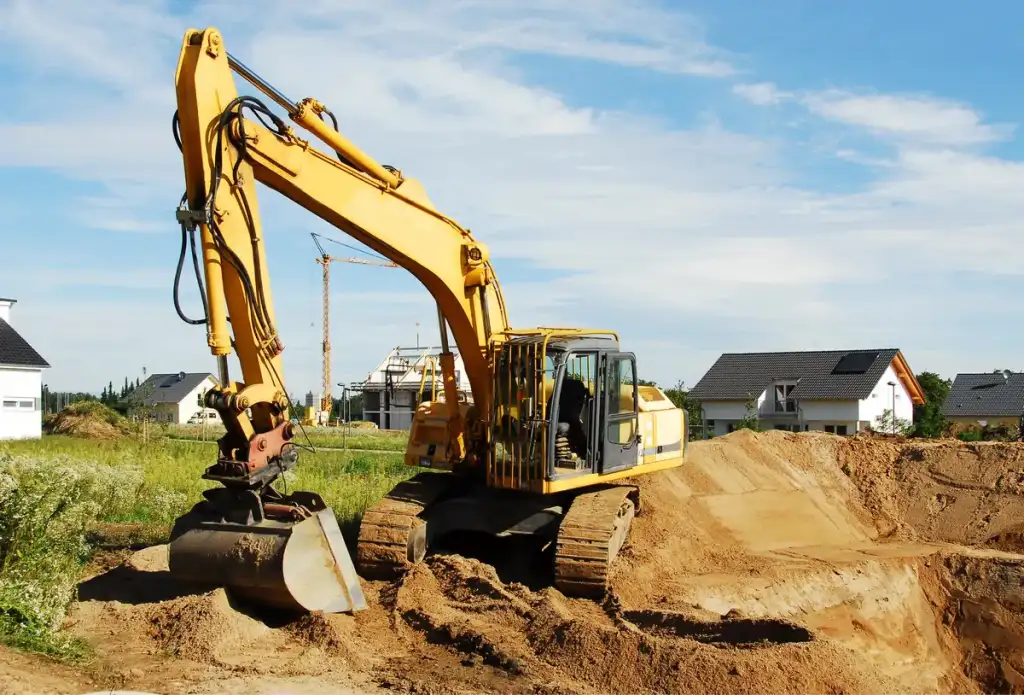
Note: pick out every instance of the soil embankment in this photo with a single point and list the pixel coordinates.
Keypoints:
(770, 562)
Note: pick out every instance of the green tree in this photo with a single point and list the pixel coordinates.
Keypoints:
(887, 423)
(354, 409)
(749, 420)
(928, 418)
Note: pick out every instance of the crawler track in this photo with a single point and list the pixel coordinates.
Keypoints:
(392, 536)
(589, 538)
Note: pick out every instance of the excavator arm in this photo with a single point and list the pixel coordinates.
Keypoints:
(225, 153)
(228, 143)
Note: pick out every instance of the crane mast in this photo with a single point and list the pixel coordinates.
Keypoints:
(325, 260)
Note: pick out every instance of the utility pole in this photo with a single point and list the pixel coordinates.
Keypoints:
(893, 385)
(325, 260)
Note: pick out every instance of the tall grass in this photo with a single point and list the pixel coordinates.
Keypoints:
(171, 474)
(46, 507)
(57, 493)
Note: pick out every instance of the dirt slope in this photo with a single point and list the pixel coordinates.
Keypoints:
(771, 562)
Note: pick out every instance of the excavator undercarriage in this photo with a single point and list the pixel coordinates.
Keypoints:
(586, 529)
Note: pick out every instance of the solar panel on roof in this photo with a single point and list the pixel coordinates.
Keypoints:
(855, 363)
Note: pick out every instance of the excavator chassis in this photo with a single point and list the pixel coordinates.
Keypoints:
(587, 528)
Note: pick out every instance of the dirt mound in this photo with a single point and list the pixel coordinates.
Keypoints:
(203, 627)
(949, 491)
(88, 420)
(580, 645)
(978, 596)
(769, 562)
(737, 503)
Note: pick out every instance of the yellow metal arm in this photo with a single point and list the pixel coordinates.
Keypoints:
(225, 153)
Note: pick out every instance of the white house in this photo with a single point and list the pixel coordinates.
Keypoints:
(173, 398)
(391, 392)
(839, 391)
(21, 382)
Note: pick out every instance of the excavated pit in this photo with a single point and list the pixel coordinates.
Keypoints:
(771, 562)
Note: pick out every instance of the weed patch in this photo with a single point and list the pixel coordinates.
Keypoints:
(46, 507)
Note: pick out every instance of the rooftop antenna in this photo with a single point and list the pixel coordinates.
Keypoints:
(1006, 374)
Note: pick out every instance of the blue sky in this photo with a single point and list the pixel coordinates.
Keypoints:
(703, 177)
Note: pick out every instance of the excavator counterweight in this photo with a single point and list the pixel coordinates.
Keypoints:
(543, 445)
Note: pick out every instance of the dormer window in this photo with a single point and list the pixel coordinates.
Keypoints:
(783, 402)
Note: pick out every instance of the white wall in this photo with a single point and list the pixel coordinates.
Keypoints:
(5, 311)
(830, 411)
(881, 398)
(20, 385)
(189, 406)
(723, 413)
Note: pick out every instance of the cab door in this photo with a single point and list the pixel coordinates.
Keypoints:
(620, 440)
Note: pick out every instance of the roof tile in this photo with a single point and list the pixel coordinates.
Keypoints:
(167, 388)
(738, 376)
(15, 350)
(985, 395)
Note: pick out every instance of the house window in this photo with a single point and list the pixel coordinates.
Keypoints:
(731, 427)
(23, 404)
(783, 402)
(830, 429)
(841, 429)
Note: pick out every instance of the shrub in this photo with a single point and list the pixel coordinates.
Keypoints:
(998, 433)
(46, 506)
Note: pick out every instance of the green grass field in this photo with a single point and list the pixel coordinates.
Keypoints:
(172, 470)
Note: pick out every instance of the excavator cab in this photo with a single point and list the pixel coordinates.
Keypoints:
(566, 406)
(567, 417)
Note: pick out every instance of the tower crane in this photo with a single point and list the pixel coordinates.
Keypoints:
(325, 260)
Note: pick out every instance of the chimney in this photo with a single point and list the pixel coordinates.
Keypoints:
(5, 308)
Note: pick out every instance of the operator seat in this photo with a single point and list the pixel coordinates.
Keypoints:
(571, 402)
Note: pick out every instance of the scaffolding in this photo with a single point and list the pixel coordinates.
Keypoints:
(403, 380)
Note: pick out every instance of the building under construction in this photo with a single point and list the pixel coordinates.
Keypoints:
(404, 379)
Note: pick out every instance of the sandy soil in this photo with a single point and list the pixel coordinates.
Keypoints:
(772, 562)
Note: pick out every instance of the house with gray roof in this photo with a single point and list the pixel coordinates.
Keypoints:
(172, 398)
(988, 399)
(838, 391)
(21, 381)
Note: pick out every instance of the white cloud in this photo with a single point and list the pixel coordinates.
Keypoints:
(760, 93)
(715, 235)
(919, 118)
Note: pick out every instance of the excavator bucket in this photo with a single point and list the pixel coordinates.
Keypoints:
(301, 566)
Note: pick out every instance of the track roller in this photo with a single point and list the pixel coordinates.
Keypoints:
(589, 538)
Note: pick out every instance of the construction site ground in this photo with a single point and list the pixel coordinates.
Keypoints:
(770, 562)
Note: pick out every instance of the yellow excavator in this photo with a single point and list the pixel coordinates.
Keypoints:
(556, 415)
